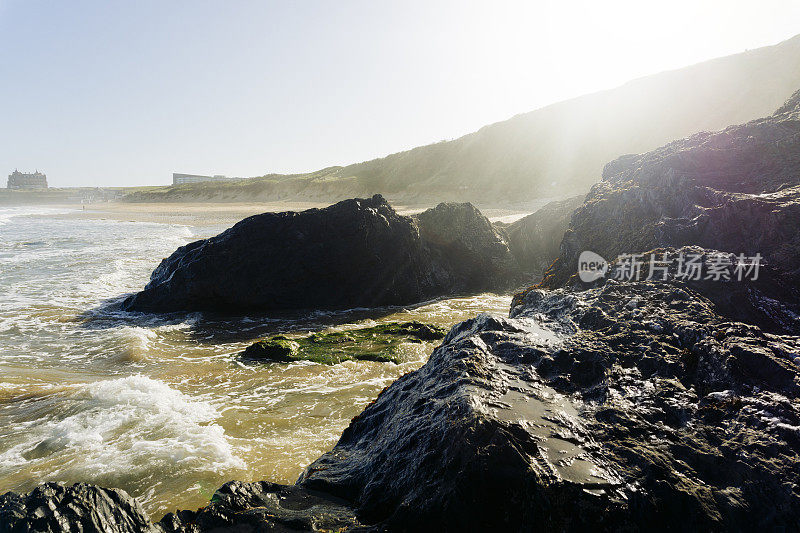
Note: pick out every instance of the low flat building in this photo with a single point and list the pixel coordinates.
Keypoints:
(180, 179)
(21, 180)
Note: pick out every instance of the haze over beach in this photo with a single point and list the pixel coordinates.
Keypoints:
(117, 94)
(400, 266)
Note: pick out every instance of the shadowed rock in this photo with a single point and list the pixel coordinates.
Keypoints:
(466, 245)
(265, 507)
(356, 253)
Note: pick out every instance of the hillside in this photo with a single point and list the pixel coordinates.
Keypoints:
(553, 151)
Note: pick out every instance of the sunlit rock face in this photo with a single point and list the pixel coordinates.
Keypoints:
(614, 405)
(356, 253)
(737, 190)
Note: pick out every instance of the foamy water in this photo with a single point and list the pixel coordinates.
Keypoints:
(160, 406)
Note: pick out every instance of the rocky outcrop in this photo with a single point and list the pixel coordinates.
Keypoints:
(614, 405)
(737, 190)
(654, 404)
(624, 407)
(356, 253)
(236, 506)
(535, 240)
(265, 507)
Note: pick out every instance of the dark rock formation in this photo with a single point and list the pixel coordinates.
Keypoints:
(630, 406)
(614, 405)
(737, 190)
(535, 240)
(356, 253)
(57, 508)
(375, 343)
(236, 506)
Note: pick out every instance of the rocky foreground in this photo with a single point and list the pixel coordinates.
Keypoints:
(631, 405)
(669, 403)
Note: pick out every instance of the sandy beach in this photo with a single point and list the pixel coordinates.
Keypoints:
(207, 214)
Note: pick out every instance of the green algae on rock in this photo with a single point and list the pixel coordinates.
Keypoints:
(376, 343)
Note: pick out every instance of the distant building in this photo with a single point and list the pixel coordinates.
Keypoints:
(19, 180)
(180, 179)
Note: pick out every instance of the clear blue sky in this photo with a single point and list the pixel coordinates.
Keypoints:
(124, 93)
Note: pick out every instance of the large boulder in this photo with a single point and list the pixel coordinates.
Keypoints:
(356, 253)
(628, 406)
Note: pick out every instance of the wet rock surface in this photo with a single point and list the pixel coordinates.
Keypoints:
(356, 253)
(631, 405)
(265, 507)
(56, 508)
(376, 343)
(626, 406)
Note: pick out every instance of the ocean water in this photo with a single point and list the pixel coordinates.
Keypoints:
(159, 405)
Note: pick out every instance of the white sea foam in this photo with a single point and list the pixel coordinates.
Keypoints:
(7, 213)
(125, 426)
(136, 342)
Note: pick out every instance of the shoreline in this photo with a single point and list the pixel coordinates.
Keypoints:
(212, 214)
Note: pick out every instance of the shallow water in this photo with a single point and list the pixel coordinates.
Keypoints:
(160, 406)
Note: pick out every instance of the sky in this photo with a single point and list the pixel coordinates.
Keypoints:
(113, 93)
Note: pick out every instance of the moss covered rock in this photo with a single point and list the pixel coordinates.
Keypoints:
(278, 348)
(375, 343)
